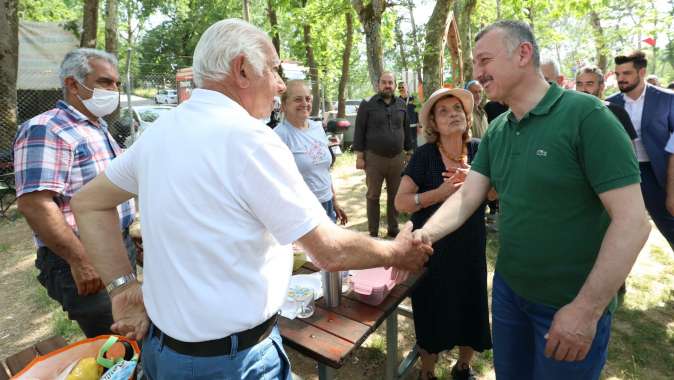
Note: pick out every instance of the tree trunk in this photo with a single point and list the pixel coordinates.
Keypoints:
(599, 41)
(89, 23)
(346, 59)
(111, 19)
(454, 42)
(273, 22)
(275, 37)
(415, 44)
(313, 70)
(9, 62)
(436, 39)
(463, 10)
(401, 46)
(129, 23)
(370, 17)
(246, 11)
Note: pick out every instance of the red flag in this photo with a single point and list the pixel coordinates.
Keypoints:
(650, 41)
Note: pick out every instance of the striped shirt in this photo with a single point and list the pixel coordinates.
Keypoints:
(60, 151)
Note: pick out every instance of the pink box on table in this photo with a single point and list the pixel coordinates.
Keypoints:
(372, 285)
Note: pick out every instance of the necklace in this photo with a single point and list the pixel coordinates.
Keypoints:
(459, 159)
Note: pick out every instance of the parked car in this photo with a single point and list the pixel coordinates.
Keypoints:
(143, 117)
(166, 97)
(350, 106)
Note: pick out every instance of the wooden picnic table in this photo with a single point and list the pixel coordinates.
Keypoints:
(18, 361)
(330, 335)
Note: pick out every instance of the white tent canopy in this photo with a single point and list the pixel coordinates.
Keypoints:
(42, 47)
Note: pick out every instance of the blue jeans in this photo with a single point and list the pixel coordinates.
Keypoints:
(519, 327)
(266, 360)
(330, 210)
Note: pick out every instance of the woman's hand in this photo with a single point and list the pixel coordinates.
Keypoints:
(448, 187)
(341, 215)
(456, 174)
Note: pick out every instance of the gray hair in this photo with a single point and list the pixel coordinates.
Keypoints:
(547, 61)
(590, 69)
(76, 64)
(221, 43)
(516, 33)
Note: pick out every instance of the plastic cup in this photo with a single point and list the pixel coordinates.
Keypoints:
(304, 299)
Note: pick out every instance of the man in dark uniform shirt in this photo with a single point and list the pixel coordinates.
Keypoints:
(381, 135)
(412, 114)
(590, 80)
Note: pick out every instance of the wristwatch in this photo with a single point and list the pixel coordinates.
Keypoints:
(417, 199)
(120, 282)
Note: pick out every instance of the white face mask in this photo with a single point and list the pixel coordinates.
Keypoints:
(102, 102)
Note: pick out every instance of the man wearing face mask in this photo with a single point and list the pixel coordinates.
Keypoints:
(55, 154)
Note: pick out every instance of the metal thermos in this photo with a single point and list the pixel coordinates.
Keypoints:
(332, 288)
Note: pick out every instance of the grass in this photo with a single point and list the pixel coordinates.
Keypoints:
(65, 327)
(346, 160)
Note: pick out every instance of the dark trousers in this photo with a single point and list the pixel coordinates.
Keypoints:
(93, 312)
(377, 169)
(654, 197)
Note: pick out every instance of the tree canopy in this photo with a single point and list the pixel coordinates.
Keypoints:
(162, 34)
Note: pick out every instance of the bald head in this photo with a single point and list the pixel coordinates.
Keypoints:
(387, 85)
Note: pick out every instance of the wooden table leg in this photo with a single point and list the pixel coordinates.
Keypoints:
(392, 346)
(325, 372)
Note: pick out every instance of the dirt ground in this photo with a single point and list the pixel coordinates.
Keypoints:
(28, 315)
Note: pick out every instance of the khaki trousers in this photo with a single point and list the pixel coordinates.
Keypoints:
(377, 169)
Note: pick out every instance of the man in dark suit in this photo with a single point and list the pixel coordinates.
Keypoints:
(651, 110)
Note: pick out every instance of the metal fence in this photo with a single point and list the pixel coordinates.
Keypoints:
(122, 123)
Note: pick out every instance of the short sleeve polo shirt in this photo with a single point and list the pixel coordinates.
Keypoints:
(548, 169)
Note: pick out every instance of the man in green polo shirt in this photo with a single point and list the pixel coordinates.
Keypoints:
(572, 216)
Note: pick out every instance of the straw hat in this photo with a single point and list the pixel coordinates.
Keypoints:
(464, 96)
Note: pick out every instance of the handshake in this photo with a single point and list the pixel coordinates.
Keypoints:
(411, 250)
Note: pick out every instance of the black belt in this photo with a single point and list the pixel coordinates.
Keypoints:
(222, 346)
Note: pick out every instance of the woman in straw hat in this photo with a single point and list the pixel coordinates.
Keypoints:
(450, 302)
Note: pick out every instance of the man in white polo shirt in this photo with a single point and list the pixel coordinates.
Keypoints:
(221, 202)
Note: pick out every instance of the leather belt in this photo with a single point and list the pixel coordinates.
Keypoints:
(222, 346)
